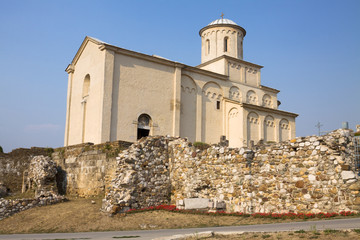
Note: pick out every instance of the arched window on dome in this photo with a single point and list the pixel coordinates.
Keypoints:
(226, 42)
(207, 45)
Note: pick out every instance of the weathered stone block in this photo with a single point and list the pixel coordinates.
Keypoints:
(345, 175)
(196, 203)
(355, 186)
(220, 205)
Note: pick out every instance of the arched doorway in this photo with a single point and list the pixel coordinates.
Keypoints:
(143, 126)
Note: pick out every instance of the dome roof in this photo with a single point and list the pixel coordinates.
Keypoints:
(222, 21)
(225, 22)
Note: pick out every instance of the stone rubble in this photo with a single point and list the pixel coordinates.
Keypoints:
(142, 177)
(40, 176)
(9, 207)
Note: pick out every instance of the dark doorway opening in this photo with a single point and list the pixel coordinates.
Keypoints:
(143, 128)
(142, 133)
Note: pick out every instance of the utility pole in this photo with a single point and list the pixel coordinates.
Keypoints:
(319, 125)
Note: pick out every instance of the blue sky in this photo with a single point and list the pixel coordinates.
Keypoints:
(310, 51)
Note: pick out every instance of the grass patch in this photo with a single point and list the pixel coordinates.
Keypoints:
(201, 145)
(330, 231)
(27, 194)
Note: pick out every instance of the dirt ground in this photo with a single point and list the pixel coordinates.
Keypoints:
(80, 215)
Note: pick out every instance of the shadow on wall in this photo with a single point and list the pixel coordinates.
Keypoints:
(61, 180)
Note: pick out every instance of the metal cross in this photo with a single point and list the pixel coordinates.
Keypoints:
(222, 15)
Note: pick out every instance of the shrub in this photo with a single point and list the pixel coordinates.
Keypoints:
(49, 151)
(1, 150)
(201, 145)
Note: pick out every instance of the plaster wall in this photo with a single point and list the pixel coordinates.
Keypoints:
(141, 87)
(234, 124)
(91, 62)
(218, 66)
(188, 108)
(267, 126)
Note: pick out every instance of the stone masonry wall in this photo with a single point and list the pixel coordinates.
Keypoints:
(86, 169)
(309, 174)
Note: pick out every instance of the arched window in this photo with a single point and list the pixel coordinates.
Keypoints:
(143, 126)
(226, 40)
(85, 94)
(251, 97)
(86, 86)
(207, 45)
(284, 129)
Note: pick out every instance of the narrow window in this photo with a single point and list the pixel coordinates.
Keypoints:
(208, 46)
(143, 128)
(85, 96)
(226, 44)
(86, 86)
(217, 104)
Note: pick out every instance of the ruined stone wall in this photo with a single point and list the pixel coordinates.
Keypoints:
(86, 169)
(13, 164)
(9, 207)
(142, 177)
(309, 174)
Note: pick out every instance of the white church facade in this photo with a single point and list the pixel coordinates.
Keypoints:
(118, 94)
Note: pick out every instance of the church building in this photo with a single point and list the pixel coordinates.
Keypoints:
(118, 94)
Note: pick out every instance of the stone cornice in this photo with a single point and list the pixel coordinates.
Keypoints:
(269, 89)
(82, 47)
(231, 59)
(269, 110)
(162, 61)
(223, 25)
(231, 100)
(242, 62)
(140, 55)
(206, 72)
(70, 69)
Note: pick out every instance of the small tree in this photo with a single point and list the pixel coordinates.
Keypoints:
(1, 150)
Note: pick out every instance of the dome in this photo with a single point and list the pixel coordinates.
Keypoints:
(222, 21)
(225, 22)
